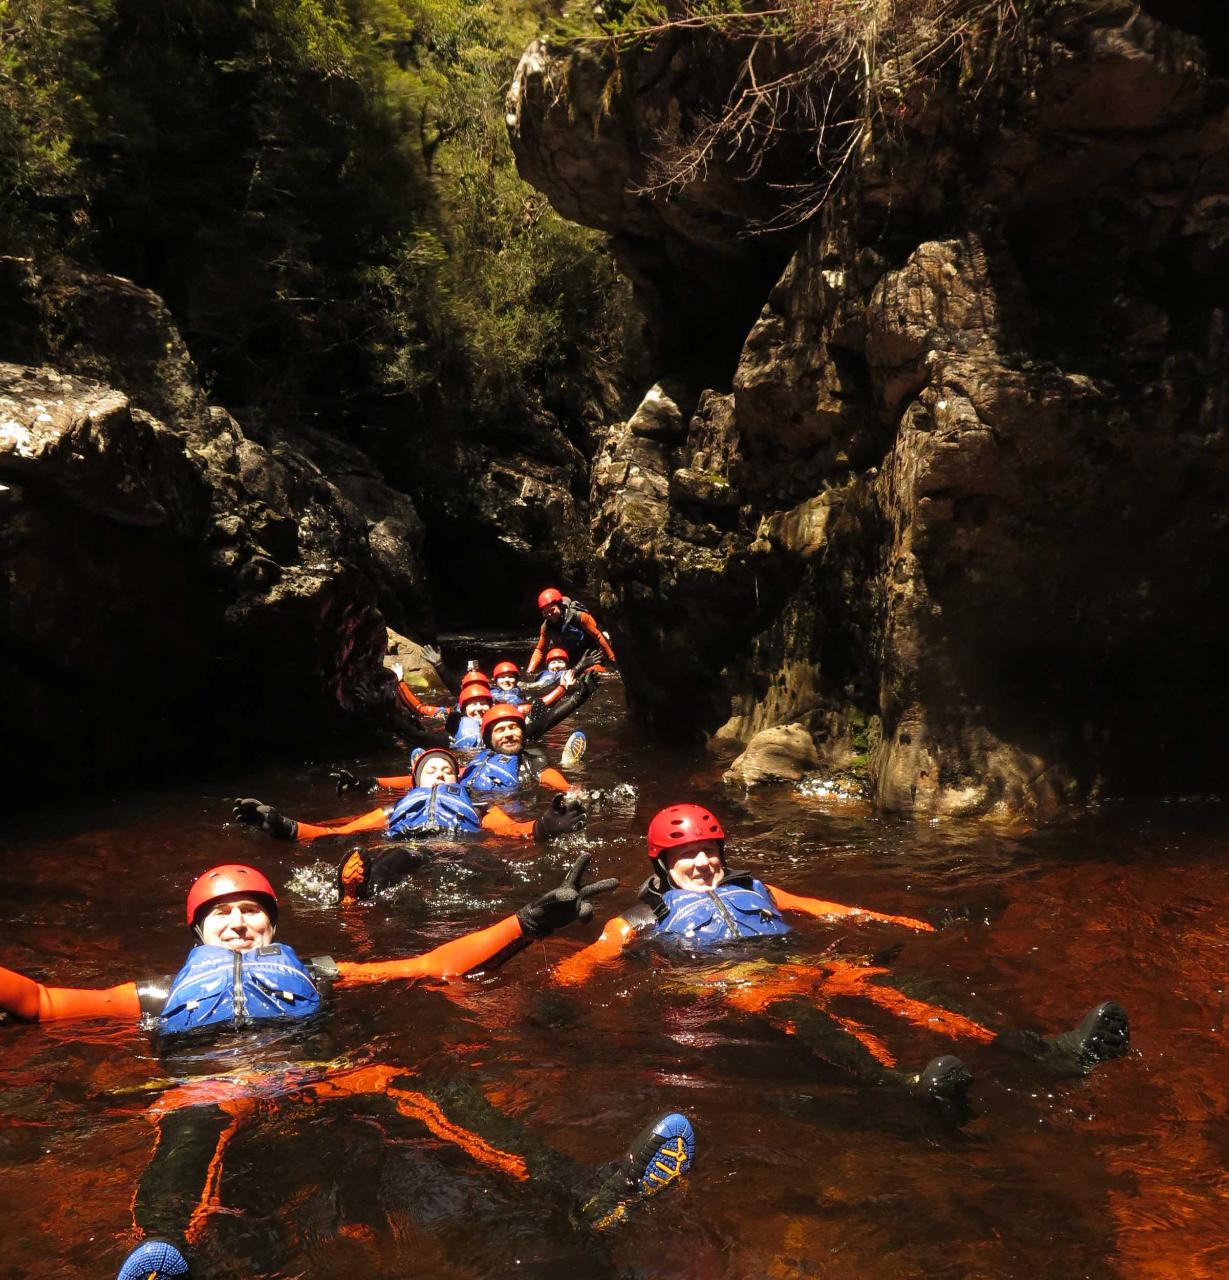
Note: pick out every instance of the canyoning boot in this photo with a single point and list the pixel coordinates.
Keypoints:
(944, 1080)
(573, 750)
(354, 877)
(1103, 1033)
(153, 1259)
(659, 1157)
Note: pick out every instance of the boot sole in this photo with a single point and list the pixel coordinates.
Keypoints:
(1105, 1034)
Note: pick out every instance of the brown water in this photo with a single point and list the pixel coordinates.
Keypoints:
(800, 1171)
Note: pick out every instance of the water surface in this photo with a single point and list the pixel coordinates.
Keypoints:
(801, 1170)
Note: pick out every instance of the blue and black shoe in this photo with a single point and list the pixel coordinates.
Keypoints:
(153, 1259)
(659, 1157)
(573, 750)
(662, 1154)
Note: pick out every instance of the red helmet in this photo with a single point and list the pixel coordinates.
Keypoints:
(501, 711)
(552, 654)
(682, 824)
(473, 677)
(552, 595)
(474, 693)
(506, 669)
(420, 755)
(232, 877)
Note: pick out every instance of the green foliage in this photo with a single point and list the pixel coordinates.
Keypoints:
(322, 190)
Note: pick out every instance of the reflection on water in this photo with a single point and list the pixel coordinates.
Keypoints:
(801, 1171)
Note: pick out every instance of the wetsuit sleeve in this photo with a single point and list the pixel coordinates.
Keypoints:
(549, 717)
(579, 966)
(410, 701)
(535, 658)
(589, 622)
(403, 783)
(818, 907)
(24, 998)
(553, 779)
(474, 951)
(373, 821)
(499, 823)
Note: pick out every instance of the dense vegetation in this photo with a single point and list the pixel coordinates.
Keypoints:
(322, 190)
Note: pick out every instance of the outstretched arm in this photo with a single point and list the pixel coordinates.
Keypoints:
(251, 813)
(818, 907)
(589, 622)
(619, 931)
(32, 1001)
(540, 720)
(453, 959)
(539, 651)
(557, 819)
(488, 948)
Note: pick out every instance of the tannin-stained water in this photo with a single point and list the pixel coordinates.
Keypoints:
(800, 1171)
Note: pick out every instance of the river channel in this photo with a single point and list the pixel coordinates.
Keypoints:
(800, 1171)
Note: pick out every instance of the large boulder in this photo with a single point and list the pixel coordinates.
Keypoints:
(171, 586)
(784, 753)
(960, 508)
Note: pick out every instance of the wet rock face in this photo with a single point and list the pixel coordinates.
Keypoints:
(584, 129)
(169, 583)
(961, 512)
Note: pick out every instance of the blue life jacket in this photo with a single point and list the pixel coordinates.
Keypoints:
(446, 807)
(513, 697)
(737, 908)
(219, 987)
(545, 683)
(468, 734)
(492, 771)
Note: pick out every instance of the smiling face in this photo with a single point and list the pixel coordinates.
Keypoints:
(238, 922)
(556, 664)
(507, 737)
(696, 866)
(476, 708)
(505, 682)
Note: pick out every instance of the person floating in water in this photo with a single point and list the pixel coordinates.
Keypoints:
(693, 899)
(237, 977)
(501, 765)
(567, 625)
(435, 804)
(462, 729)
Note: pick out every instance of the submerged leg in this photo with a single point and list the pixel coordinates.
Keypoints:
(852, 1049)
(1102, 1034)
(364, 873)
(660, 1155)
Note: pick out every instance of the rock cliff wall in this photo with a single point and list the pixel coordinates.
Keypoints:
(961, 504)
(171, 588)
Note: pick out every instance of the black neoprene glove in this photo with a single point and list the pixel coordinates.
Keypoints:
(559, 817)
(347, 781)
(565, 905)
(254, 814)
(590, 658)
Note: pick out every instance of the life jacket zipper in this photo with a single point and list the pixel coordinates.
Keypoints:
(729, 919)
(240, 999)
